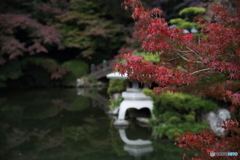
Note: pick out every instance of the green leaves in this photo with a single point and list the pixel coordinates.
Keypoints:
(192, 10)
(188, 14)
(178, 112)
(84, 27)
(170, 130)
(149, 57)
(77, 67)
(116, 85)
(181, 102)
(11, 70)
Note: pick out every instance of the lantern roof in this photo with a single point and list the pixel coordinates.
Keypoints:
(116, 75)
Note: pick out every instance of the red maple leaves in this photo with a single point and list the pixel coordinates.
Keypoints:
(207, 142)
(39, 36)
(217, 51)
(188, 37)
(188, 64)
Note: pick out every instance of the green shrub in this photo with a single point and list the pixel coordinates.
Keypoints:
(116, 85)
(179, 102)
(77, 67)
(116, 103)
(148, 92)
(192, 10)
(168, 131)
(189, 118)
(177, 112)
(164, 117)
(173, 120)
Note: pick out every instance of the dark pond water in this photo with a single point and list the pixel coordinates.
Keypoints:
(63, 124)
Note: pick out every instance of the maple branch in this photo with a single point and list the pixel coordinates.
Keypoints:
(186, 58)
(177, 56)
(195, 53)
(174, 58)
(189, 52)
(182, 56)
(182, 51)
(201, 70)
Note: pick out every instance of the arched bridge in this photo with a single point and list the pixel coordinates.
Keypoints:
(101, 70)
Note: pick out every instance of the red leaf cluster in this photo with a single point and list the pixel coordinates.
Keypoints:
(38, 36)
(217, 51)
(187, 62)
(207, 141)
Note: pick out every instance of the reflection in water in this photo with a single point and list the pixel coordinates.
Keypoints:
(59, 124)
(137, 142)
(137, 148)
(139, 152)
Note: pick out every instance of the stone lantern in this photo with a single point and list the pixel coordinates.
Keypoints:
(133, 98)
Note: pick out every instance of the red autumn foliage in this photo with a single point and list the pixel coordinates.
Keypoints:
(191, 65)
(207, 141)
(38, 37)
(217, 51)
(11, 23)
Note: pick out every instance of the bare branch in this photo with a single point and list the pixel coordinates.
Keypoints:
(187, 59)
(174, 58)
(178, 56)
(195, 53)
(182, 51)
(201, 70)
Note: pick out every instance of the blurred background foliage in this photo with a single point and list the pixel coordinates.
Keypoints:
(44, 41)
(116, 86)
(187, 21)
(39, 37)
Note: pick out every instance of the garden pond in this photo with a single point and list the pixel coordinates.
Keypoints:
(71, 124)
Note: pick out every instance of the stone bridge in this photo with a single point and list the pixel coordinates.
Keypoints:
(101, 70)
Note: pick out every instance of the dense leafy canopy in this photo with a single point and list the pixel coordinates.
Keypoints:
(85, 27)
(216, 52)
(191, 64)
(41, 35)
(25, 41)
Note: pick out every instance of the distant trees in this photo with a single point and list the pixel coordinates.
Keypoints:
(23, 36)
(87, 27)
(37, 37)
